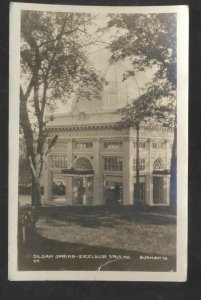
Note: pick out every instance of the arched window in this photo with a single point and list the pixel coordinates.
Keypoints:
(83, 164)
(158, 164)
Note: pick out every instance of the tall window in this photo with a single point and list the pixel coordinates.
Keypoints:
(58, 161)
(113, 145)
(83, 145)
(142, 164)
(159, 145)
(141, 144)
(113, 164)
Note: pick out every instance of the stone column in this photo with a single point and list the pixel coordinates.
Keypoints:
(98, 198)
(69, 190)
(166, 178)
(128, 185)
(149, 176)
(166, 189)
(69, 153)
(69, 180)
(48, 182)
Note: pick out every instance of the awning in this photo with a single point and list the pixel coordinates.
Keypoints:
(77, 173)
(161, 172)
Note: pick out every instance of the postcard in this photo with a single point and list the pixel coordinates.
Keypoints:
(98, 142)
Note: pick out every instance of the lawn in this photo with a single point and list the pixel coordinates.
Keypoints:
(103, 230)
(121, 229)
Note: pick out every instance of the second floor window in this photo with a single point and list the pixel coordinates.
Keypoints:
(83, 145)
(141, 145)
(142, 165)
(113, 164)
(113, 145)
(60, 145)
(159, 145)
(58, 161)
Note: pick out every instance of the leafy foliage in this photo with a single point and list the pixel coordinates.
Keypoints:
(149, 42)
(54, 66)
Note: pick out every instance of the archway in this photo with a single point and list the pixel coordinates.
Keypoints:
(158, 164)
(83, 163)
(83, 184)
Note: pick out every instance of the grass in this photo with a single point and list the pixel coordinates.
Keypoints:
(119, 229)
(105, 230)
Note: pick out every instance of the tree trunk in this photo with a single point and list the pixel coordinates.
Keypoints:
(36, 192)
(173, 174)
(137, 193)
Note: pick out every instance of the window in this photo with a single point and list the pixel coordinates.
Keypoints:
(113, 164)
(141, 164)
(83, 145)
(115, 145)
(58, 161)
(159, 145)
(141, 145)
(60, 145)
(158, 164)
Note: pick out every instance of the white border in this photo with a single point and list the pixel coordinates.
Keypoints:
(182, 146)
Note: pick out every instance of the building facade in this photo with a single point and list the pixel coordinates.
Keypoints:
(93, 161)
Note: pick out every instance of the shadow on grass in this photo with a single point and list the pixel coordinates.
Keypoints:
(109, 258)
(94, 217)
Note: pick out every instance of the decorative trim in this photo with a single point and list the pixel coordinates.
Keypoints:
(103, 126)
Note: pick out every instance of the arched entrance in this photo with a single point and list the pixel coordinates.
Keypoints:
(83, 183)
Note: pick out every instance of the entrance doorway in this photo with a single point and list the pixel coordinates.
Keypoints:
(157, 189)
(113, 193)
(83, 184)
(141, 193)
(82, 190)
(59, 190)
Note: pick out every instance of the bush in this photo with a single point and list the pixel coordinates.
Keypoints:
(26, 189)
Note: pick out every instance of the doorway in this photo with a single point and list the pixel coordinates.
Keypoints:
(157, 189)
(141, 193)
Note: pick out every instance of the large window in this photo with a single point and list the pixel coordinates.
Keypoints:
(113, 164)
(60, 145)
(58, 161)
(113, 145)
(141, 144)
(142, 164)
(83, 145)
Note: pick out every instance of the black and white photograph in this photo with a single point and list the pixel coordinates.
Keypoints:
(98, 143)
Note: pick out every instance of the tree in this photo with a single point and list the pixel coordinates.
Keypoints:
(54, 66)
(149, 43)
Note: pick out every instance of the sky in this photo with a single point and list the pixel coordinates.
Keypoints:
(99, 55)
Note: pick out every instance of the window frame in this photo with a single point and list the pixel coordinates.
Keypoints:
(109, 164)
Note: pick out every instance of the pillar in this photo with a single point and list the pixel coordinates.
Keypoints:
(149, 176)
(69, 190)
(69, 153)
(128, 184)
(69, 180)
(48, 181)
(166, 189)
(98, 198)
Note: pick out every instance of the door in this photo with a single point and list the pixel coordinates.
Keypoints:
(157, 189)
(141, 192)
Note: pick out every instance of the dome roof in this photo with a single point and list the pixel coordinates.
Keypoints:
(114, 94)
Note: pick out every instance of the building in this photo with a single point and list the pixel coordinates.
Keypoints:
(94, 161)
